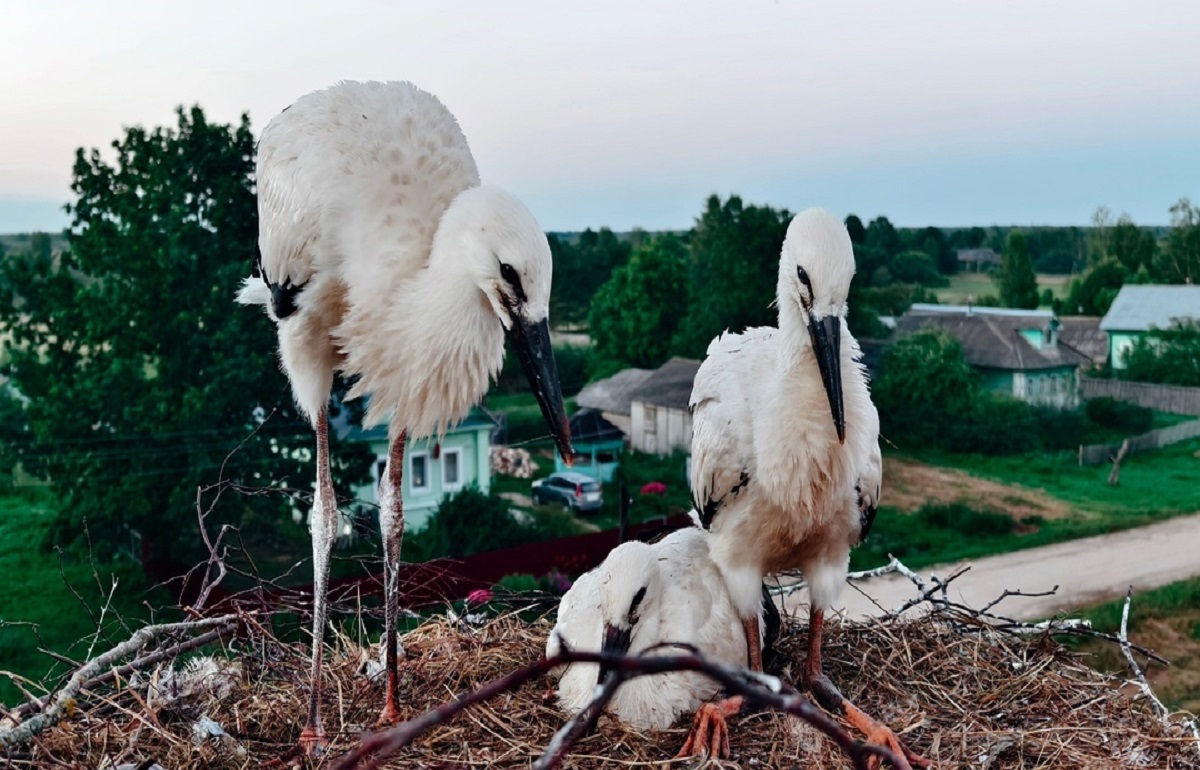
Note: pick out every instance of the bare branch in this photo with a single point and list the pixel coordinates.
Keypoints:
(758, 689)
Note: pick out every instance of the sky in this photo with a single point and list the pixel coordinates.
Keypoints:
(629, 114)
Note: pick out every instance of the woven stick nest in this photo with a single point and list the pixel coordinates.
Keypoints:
(964, 695)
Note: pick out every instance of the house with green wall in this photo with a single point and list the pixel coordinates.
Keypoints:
(433, 467)
(1138, 309)
(1020, 353)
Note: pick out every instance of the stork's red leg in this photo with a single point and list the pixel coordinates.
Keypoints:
(391, 527)
(324, 531)
(710, 733)
(833, 701)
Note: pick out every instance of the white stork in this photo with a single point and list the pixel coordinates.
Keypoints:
(643, 595)
(779, 484)
(381, 256)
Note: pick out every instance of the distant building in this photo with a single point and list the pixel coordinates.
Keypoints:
(432, 468)
(612, 396)
(598, 444)
(977, 260)
(660, 421)
(1138, 309)
(1017, 352)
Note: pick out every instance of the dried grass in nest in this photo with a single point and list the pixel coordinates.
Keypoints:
(964, 698)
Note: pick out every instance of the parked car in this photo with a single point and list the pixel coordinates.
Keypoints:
(572, 490)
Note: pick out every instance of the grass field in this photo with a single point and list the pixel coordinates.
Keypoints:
(979, 285)
(39, 609)
(1166, 620)
(1154, 486)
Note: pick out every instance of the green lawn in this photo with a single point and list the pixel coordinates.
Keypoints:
(38, 609)
(1164, 619)
(1154, 486)
(979, 285)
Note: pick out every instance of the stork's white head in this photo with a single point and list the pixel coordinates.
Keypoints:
(630, 592)
(816, 267)
(815, 271)
(497, 240)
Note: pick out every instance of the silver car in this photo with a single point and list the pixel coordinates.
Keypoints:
(572, 490)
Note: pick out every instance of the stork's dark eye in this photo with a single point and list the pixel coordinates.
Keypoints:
(802, 275)
(633, 606)
(509, 274)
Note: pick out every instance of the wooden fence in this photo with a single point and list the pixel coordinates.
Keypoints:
(1164, 398)
(1096, 454)
(422, 585)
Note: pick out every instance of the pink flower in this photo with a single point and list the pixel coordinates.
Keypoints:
(479, 596)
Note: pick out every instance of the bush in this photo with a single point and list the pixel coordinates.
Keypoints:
(1061, 428)
(1119, 415)
(992, 425)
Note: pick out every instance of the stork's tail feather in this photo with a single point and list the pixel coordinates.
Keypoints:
(254, 291)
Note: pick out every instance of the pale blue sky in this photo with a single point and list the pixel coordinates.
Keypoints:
(630, 113)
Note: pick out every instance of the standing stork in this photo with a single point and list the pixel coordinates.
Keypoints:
(382, 256)
(780, 484)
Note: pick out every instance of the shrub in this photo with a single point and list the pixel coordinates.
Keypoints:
(1119, 415)
(992, 425)
(1061, 428)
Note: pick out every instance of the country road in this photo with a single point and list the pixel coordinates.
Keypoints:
(1086, 571)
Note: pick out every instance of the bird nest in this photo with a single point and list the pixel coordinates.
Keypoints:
(958, 691)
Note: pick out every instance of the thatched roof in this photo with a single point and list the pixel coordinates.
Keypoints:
(612, 394)
(991, 338)
(670, 385)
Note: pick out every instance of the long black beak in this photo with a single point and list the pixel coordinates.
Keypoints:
(616, 642)
(827, 344)
(532, 344)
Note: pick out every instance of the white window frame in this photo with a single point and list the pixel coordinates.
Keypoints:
(427, 488)
(446, 485)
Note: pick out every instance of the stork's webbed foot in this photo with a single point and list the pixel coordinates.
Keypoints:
(710, 732)
(877, 734)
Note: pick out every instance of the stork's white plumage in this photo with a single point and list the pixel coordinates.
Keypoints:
(779, 483)
(641, 596)
(381, 256)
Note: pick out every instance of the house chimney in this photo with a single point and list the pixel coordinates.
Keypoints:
(1052, 332)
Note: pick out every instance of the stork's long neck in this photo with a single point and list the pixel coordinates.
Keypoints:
(439, 345)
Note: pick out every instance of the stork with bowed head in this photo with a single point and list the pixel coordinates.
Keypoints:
(382, 257)
(786, 469)
(641, 596)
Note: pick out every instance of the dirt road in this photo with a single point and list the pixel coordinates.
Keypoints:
(1086, 571)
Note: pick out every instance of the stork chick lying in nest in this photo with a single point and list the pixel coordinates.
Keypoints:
(645, 595)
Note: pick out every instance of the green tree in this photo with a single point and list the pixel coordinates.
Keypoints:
(1094, 293)
(734, 269)
(916, 267)
(1179, 262)
(145, 381)
(924, 379)
(1015, 279)
(1169, 356)
(635, 315)
(580, 268)
(856, 229)
(882, 235)
(1130, 245)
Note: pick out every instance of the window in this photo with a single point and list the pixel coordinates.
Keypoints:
(451, 469)
(650, 419)
(418, 472)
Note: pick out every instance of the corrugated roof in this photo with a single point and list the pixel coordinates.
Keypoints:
(993, 340)
(1083, 333)
(612, 393)
(670, 385)
(1137, 308)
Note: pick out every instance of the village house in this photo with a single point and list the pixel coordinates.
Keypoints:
(1138, 309)
(433, 467)
(660, 421)
(1017, 352)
